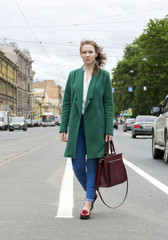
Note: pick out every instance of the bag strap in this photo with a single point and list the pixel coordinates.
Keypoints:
(120, 203)
(112, 148)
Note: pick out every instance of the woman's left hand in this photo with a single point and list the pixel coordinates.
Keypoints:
(109, 137)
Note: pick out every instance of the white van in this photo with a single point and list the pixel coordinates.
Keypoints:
(3, 120)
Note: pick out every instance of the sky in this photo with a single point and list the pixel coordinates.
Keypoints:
(52, 30)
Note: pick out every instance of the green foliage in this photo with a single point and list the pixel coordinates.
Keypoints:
(144, 64)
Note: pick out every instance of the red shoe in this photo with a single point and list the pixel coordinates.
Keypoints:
(84, 214)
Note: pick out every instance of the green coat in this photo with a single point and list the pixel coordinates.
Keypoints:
(98, 115)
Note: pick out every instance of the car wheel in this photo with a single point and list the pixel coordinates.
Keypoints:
(11, 130)
(133, 135)
(166, 149)
(24, 129)
(156, 153)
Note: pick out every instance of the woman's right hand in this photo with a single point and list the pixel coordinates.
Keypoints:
(63, 136)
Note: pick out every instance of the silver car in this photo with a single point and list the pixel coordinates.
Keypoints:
(143, 125)
(160, 132)
(128, 124)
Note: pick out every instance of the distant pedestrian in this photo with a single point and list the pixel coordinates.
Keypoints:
(87, 116)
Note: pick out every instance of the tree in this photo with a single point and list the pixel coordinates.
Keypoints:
(144, 64)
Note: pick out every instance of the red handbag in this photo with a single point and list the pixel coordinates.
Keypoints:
(111, 171)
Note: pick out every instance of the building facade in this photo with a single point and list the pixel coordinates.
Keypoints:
(8, 85)
(25, 74)
(52, 100)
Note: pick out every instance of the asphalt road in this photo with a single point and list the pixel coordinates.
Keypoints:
(31, 171)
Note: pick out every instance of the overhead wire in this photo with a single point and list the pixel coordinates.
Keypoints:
(34, 34)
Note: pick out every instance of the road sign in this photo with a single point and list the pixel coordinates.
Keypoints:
(130, 89)
(129, 112)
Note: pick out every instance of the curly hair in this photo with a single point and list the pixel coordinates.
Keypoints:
(101, 58)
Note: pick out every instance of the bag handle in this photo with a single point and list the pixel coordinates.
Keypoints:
(112, 148)
(117, 205)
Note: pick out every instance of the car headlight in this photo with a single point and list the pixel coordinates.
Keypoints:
(10, 124)
(22, 124)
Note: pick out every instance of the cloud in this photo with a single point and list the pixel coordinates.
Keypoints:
(56, 28)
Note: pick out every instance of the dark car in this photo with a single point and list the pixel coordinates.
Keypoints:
(128, 124)
(17, 123)
(115, 124)
(160, 131)
(29, 122)
(143, 125)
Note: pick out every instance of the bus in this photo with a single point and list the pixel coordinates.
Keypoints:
(48, 119)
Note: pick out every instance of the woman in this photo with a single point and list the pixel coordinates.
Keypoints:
(88, 112)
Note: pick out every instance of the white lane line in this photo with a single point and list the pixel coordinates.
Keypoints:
(66, 201)
(148, 177)
(127, 134)
(139, 136)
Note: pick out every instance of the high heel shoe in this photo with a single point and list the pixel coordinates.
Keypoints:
(95, 197)
(84, 214)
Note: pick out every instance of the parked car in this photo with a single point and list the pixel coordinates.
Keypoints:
(128, 124)
(57, 120)
(115, 124)
(160, 132)
(143, 125)
(17, 123)
(29, 122)
(40, 122)
(35, 122)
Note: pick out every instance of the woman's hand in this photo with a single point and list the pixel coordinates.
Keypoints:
(63, 136)
(109, 137)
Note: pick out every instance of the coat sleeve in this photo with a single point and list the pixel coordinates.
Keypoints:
(108, 106)
(66, 106)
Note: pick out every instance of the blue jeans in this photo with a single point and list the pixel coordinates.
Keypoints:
(85, 170)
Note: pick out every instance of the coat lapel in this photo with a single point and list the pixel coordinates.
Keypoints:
(79, 89)
(91, 90)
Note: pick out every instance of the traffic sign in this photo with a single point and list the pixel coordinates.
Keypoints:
(130, 89)
(129, 112)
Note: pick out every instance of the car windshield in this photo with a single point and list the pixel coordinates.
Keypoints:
(130, 120)
(48, 118)
(18, 119)
(146, 119)
(57, 118)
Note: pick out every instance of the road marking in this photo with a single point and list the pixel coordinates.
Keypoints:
(13, 157)
(140, 137)
(66, 201)
(127, 134)
(148, 177)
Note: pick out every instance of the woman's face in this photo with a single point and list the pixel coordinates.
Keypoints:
(88, 54)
